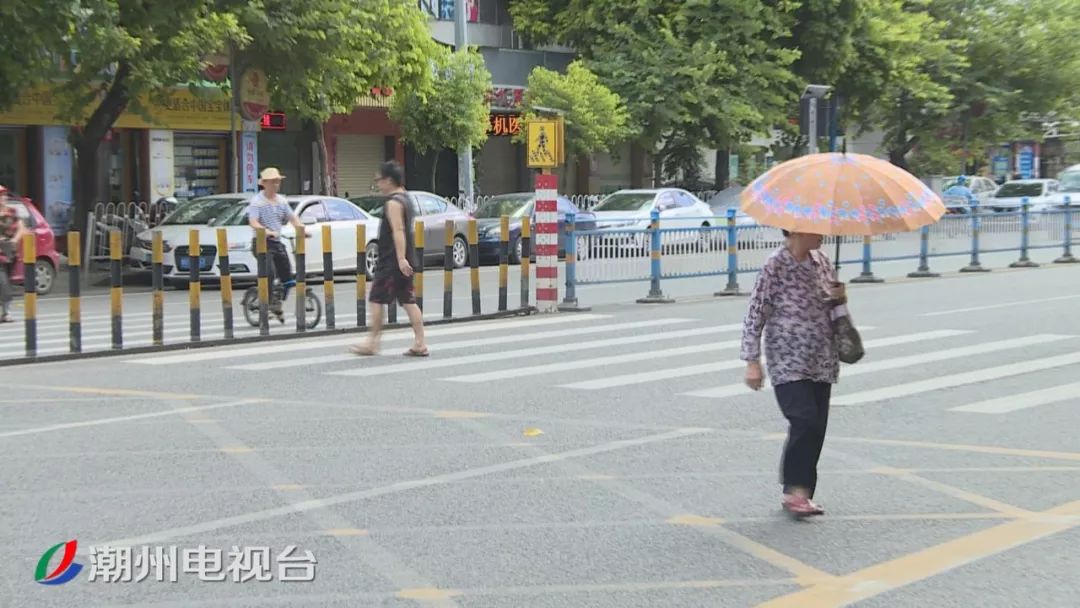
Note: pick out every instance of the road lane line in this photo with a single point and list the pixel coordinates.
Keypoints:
(871, 367)
(958, 447)
(936, 560)
(477, 343)
(103, 421)
(708, 368)
(954, 380)
(577, 364)
(555, 349)
(1022, 401)
(108, 392)
(940, 313)
(395, 488)
(400, 335)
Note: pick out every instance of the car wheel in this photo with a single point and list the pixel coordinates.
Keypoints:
(460, 252)
(44, 276)
(371, 258)
(515, 251)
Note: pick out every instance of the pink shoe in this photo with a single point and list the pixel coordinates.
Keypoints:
(799, 506)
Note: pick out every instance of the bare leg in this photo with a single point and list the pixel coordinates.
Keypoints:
(416, 319)
(375, 333)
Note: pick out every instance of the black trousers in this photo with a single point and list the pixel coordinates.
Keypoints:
(278, 257)
(806, 406)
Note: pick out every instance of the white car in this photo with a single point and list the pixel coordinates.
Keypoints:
(208, 214)
(625, 213)
(983, 188)
(1042, 194)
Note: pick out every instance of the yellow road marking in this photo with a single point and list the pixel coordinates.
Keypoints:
(914, 567)
(960, 447)
(694, 520)
(287, 487)
(346, 532)
(805, 574)
(111, 392)
(237, 449)
(942, 488)
(596, 477)
(427, 594)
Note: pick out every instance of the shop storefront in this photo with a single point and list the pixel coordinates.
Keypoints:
(285, 143)
(501, 167)
(182, 150)
(357, 143)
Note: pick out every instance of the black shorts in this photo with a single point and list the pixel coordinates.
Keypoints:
(393, 287)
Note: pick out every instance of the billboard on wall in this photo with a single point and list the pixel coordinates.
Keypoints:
(56, 163)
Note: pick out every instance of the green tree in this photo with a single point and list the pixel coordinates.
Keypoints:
(696, 73)
(32, 30)
(320, 56)
(453, 117)
(596, 118)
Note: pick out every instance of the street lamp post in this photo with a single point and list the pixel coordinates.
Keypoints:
(465, 160)
(812, 93)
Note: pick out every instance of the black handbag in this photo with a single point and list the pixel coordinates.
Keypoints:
(848, 341)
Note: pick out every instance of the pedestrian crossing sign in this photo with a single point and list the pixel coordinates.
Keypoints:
(545, 143)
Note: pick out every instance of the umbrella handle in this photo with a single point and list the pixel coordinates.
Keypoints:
(836, 259)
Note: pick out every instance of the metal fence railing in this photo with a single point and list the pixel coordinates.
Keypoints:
(127, 218)
(633, 249)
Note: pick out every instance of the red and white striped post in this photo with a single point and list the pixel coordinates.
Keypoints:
(547, 243)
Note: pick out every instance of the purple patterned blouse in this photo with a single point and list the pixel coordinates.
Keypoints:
(790, 303)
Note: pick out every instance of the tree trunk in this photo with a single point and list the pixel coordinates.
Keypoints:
(88, 143)
(324, 167)
(435, 169)
(898, 154)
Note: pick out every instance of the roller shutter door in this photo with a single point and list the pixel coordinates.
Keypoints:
(358, 157)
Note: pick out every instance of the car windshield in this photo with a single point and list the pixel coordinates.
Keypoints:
(626, 201)
(514, 206)
(202, 211)
(1070, 181)
(373, 205)
(1015, 189)
(236, 215)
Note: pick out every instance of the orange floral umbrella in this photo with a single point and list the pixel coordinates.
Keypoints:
(841, 194)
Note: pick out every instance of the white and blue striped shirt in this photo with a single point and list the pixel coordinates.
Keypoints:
(272, 214)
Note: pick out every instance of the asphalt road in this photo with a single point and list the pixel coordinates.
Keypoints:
(602, 459)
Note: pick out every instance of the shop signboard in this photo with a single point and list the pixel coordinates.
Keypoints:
(161, 164)
(183, 110)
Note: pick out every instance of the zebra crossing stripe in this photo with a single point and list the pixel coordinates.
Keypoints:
(393, 336)
(477, 343)
(1022, 401)
(557, 349)
(708, 368)
(954, 380)
(870, 367)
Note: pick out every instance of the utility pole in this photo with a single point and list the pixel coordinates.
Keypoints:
(465, 160)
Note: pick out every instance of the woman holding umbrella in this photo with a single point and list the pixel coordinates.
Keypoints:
(794, 301)
(798, 305)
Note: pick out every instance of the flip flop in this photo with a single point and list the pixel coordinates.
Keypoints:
(363, 351)
(412, 352)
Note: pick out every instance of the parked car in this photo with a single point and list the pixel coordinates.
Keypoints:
(433, 211)
(1069, 185)
(1041, 194)
(750, 235)
(625, 212)
(519, 207)
(48, 259)
(228, 211)
(983, 188)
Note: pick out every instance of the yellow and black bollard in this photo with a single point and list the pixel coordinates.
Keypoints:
(300, 255)
(116, 289)
(194, 285)
(158, 281)
(264, 282)
(419, 261)
(474, 265)
(226, 281)
(361, 275)
(328, 275)
(526, 260)
(74, 294)
(448, 272)
(30, 293)
(504, 260)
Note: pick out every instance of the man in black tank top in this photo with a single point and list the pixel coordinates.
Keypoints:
(393, 283)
